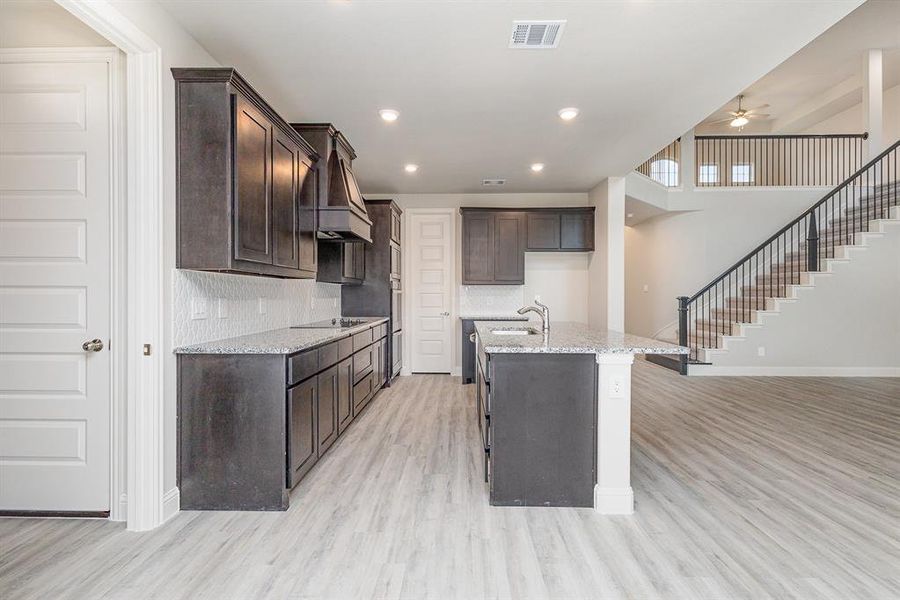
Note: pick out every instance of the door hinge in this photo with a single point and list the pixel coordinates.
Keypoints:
(147, 350)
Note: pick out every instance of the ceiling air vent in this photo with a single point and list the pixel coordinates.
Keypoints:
(493, 182)
(536, 34)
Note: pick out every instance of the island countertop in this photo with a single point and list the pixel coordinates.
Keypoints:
(567, 338)
(278, 341)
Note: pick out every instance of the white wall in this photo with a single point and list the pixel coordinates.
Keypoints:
(560, 279)
(606, 288)
(43, 24)
(847, 324)
(851, 120)
(676, 254)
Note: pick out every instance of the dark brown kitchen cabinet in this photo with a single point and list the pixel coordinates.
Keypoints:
(543, 231)
(302, 446)
(253, 184)
(244, 201)
(326, 409)
(577, 231)
(478, 247)
(342, 262)
(494, 240)
(380, 293)
(509, 248)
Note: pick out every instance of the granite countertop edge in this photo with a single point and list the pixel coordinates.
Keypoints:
(571, 338)
(481, 317)
(284, 340)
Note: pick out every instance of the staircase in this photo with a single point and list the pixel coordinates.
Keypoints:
(743, 295)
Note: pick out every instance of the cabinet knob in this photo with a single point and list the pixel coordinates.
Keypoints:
(472, 337)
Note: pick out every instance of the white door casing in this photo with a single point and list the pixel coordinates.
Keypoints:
(430, 243)
(56, 193)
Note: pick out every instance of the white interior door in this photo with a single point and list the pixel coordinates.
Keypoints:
(55, 192)
(432, 263)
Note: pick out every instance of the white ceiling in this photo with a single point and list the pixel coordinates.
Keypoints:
(641, 71)
(825, 64)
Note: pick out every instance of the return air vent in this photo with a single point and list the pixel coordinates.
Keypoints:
(493, 182)
(536, 34)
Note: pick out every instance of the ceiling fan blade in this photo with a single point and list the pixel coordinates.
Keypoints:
(726, 120)
(761, 106)
(757, 116)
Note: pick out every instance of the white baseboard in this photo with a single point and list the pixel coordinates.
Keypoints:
(613, 501)
(725, 371)
(456, 371)
(171, 503)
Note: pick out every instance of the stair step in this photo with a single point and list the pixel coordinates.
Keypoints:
(764, 291)
(780, 277)
(733, 314)
(747, 303)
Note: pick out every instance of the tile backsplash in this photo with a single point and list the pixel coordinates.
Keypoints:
(210, 306)
(490, 300)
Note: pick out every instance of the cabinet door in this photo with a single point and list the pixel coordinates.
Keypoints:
(302, 449)
(359, 261)
(285, 217)
(326, 411)
(344, 394)
(509, 248)
(396, 353)
(543, 231)
(478, 248)
(348, 264)
(395, 261)
(577, 231)
(395, 227)
(253, 183)
(396, 310)
(308, 185)
(378, 369)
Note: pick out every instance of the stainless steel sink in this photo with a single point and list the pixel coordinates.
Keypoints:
(515, 331)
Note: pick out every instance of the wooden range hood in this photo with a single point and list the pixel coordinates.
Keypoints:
(342, 213)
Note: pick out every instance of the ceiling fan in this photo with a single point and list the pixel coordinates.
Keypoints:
(742, 116)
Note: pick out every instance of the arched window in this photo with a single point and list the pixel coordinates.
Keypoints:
(664, 171)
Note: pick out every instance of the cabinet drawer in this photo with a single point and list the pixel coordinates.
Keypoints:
(345, 348)
(362, 391)
(362, 339)
(301, 366)
(363, 361)
(382, 330)
(328, 355)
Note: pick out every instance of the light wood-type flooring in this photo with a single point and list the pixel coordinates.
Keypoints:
(744, 487)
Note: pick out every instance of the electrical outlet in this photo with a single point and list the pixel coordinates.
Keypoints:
(616, 387)
(761, 351)
(646, 288)
(198, 309)
(261, 305)
(222, 308)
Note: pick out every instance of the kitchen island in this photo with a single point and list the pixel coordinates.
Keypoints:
(554, 409)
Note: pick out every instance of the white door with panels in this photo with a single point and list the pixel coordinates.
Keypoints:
(55, 194)
(431, 245)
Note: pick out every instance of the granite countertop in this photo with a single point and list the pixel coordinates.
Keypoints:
(568, 338)
(277, 341)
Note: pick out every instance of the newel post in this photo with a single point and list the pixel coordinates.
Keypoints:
(683, 330)
(812, 244)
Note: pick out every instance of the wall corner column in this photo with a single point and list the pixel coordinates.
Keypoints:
(688, 166)
(606, 288)
(613, 494)
(873, 102)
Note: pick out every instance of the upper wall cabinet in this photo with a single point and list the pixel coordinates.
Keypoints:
(246, 186)
(494, 240)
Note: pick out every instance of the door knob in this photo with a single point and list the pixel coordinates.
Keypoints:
(95, 345)
(445, 314)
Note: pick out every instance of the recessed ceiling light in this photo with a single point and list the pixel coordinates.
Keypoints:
(567, 114)
(411, 168)
(537, 167)
(389, 114)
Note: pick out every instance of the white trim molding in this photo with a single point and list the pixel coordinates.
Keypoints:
(612, 493)
(144, 240)
(171, 503)
(726, 371)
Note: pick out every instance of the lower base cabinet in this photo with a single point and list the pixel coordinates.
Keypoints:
(250, 426)
(396, 353)
(302, 447)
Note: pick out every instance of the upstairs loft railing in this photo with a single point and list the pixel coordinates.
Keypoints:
(777, 160)
(663, 166)
(761, 160)
(798, 247)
